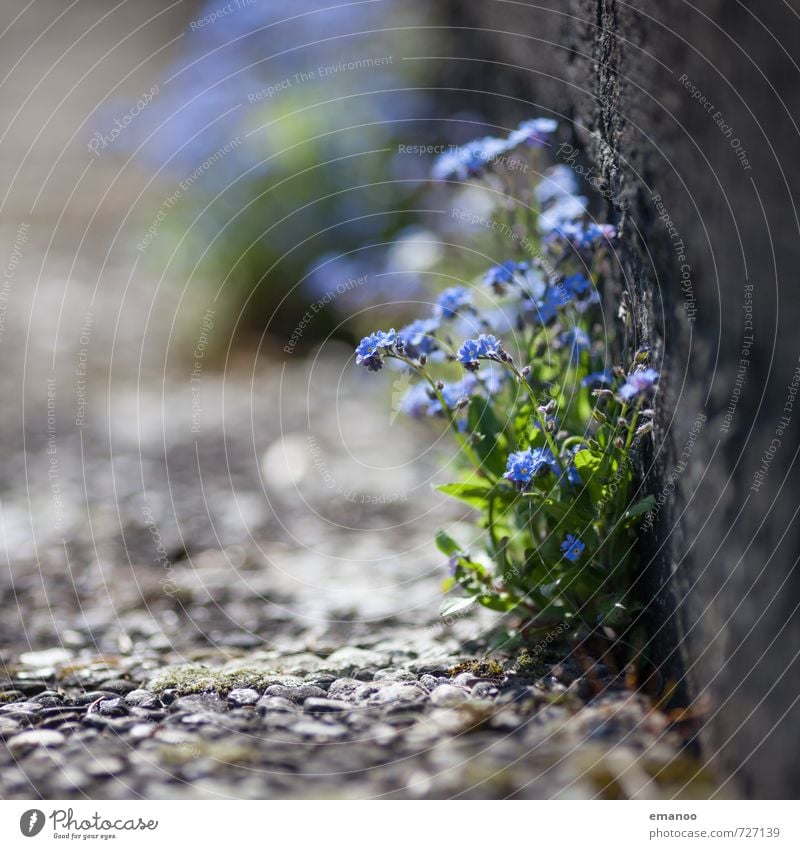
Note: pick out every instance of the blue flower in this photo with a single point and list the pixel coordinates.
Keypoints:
(499, 276)
(559, 216)
(582, 236)
(417, 338)
(572, 547)
(416, 401)
(573, 475)
(577, 285)
(547, 307)
(598, 378)
(471, 160)
(638, 383)
(484, 347)
(578, 340)
(559, 181)
(451, 301)
(523, 466)
(369, 351)
(535, 132)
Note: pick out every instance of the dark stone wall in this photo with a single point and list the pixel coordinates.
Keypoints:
(689, 114)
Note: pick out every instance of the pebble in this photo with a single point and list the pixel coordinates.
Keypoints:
(112, 707)
(28, 707)
(119, 686)
(91, 696)
(199, 703)
(48, 698)
(316, 705)
(243, 697)
(344, 688)
(320, 730)
(142, 699)
(296, 694)
(276, 704)
(8, 726)
(34, 739)
(447, 695)
(46, 658)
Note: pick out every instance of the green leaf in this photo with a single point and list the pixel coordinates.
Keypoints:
(482, 419)
(475, 494)
(446, 544)
(640, 508)
(454, 605)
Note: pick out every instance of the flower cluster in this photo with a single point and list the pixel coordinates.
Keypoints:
(473, 159)
(545, 427)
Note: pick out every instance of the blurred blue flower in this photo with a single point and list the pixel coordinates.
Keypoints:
(559, 181)
(578, 340)
(638, 383)
(535, 132)
(417, 338)
(572, 547)
(598, 378)
(578, 284)
(451, 301)
(469, 160)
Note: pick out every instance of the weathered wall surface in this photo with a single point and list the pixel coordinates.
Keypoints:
(689, 117)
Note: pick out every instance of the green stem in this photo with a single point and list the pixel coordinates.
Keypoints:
(542, 421)
(449, 413)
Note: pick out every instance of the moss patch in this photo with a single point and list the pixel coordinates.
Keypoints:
(190, 679)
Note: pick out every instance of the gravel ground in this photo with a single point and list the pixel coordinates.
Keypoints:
(251, 611)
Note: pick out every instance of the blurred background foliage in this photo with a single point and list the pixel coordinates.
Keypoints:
(283, 122)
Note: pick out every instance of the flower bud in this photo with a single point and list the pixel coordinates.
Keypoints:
(645, 428)
(648, 414)
(440, 385)
(526, 371)
(423, 359)
(619, 442)
(598, 416)
(623, 423)
(619, 372)
(602, 393)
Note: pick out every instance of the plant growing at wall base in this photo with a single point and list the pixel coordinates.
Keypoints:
(517, 367)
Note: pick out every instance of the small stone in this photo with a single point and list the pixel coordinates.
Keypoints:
(447, 695)
(276, 704)
(8, 726)
(484, 690)
(119, 686)
(315, 705)
(365, 674)
(30, 686)
(34, 739)
(296, 694)
(28, 707)
(320, 730)
(11, 696)
(45, 659)
(429, 682)
(343, 688)
(142, 699)
(91, 696)
(200, 703)
(243, 697)
(112, 707)
(49, 698)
